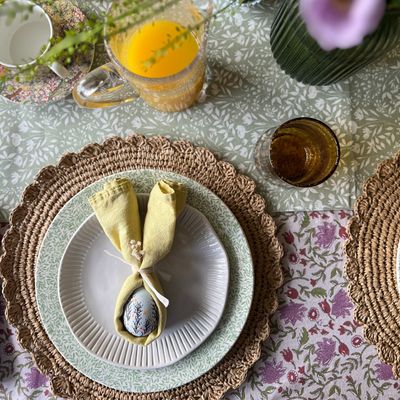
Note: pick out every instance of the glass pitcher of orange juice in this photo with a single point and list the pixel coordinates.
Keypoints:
(161, 58)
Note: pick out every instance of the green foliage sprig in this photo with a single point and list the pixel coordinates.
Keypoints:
(96, 28)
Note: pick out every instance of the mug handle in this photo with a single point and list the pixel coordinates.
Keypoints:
(59, 69)
(103, 87)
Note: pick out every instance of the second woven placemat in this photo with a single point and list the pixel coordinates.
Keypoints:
(374, 234)
(55, 185)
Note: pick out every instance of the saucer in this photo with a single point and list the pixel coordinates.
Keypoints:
(47, 86)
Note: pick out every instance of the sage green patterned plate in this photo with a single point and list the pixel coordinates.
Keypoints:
(241, 282)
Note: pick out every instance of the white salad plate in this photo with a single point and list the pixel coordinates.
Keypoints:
(194, 277)
(113, 374)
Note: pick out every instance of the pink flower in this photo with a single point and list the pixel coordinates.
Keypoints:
(341, 23)
(292, 376)
(343, 232)
(292, 293)
(293, 258)
(356, 341)
(288, 237)
(313, 282)
(271, 372)
(313, 330)
(343, 349)
(9, 348)
(35, 379)
(302, 251)
(302, 369)
(343, 214)
(384, 372)
(313, 314)
(341, 304)
(325, 351)
(326, 234)
(287, 355)
(292, 312)
(325, 307)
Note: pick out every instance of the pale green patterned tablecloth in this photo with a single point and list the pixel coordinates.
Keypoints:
(248, 94)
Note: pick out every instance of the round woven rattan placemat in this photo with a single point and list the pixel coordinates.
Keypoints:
(374, 234)
(55, 185)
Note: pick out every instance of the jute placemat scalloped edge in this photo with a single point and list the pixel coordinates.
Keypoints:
(372, 297)
(55, 185)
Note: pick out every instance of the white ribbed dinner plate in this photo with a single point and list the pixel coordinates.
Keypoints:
(194, 276)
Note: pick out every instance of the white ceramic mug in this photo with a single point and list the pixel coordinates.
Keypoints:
(26, 36)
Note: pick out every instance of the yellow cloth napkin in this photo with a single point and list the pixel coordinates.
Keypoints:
(116, 209)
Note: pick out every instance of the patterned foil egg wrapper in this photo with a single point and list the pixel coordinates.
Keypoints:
(140, 313)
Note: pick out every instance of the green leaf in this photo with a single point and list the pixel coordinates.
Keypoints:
(318, 292)
(269, 390)
(334, 389)
(304, 337)
(306, 221)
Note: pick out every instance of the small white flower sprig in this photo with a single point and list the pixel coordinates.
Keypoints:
(137, 251)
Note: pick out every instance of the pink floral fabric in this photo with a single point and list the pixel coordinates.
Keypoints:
(316, 349)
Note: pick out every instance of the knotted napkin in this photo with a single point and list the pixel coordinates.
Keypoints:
(117, 211)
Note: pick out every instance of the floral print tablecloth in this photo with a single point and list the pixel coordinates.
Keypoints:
(247, 94)
(316, 350)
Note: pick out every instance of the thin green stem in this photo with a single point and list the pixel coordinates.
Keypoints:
(139, 12)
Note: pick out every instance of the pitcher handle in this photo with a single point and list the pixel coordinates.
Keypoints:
(103, 87)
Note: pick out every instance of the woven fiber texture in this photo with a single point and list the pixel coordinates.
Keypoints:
(55, 185)
(371, 250)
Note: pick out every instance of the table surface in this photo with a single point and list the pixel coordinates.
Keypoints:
(248, 94)
(316, 350)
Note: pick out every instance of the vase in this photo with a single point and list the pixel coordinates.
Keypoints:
(300, 56)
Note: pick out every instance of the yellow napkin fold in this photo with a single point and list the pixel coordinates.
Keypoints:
(117, 211)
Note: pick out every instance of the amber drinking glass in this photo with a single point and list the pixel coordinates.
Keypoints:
(301, 152)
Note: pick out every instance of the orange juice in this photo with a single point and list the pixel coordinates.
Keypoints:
(142, 45)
